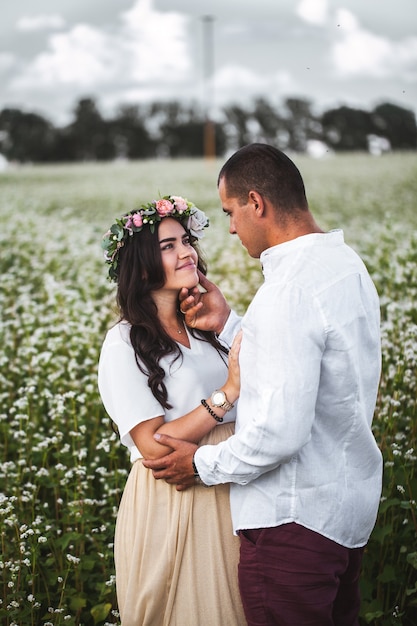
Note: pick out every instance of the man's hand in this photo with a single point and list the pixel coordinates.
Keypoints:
(177, 467)
(206, 310)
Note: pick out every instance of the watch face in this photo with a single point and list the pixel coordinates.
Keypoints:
(218, 398)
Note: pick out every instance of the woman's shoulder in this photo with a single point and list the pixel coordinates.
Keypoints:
(118, 334)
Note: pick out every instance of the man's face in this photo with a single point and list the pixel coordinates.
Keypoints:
(242, 221)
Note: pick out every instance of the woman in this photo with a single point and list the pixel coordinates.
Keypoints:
(175, 553)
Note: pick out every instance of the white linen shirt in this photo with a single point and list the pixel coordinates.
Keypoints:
(124, 388)
(310, 360)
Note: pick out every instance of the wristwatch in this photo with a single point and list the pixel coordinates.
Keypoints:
(195, 470)
(197, 478)
(218, 399)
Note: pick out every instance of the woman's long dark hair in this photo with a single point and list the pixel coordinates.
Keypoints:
(140, 271)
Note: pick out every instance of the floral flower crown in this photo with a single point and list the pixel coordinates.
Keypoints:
(192, 218)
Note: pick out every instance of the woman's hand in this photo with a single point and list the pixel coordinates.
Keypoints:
(232, 385)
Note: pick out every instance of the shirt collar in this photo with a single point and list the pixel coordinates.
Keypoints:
(272, 256)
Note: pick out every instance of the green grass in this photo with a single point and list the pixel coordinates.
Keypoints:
(62, 469)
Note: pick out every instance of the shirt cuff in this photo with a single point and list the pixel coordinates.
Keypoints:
(230, 329)
(203, 470)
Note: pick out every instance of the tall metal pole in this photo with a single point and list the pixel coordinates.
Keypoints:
(209, 129)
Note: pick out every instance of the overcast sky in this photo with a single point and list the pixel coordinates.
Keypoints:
(355, 52)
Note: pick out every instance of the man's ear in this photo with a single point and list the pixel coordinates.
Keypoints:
(257, 202)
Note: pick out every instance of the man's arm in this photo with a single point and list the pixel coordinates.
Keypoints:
(274, 426)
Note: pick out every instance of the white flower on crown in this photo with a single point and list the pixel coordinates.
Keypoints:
(197, 222)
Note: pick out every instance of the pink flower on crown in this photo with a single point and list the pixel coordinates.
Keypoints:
(164, 207)
(180, 204)
(137, 220)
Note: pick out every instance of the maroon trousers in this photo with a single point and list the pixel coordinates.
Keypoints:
(292, 576)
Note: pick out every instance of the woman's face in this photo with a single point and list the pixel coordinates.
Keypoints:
(179, 258)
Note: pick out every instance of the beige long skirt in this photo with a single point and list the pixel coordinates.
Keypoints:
(175, 553)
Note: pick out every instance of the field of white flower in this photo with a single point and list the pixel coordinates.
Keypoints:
(62, 469)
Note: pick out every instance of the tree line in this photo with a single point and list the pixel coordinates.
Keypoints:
(174, 129)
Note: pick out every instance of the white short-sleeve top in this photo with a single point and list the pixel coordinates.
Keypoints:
(124, 388)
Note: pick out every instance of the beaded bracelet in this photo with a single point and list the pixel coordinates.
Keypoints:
(210, 410)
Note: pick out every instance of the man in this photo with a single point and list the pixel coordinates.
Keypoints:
(304, 468)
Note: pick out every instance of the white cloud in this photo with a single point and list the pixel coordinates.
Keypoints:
(236, 28)
(145, 46)
(405, 59)
(40, 22)
(234, 83)
(346, 21)
(142, 54)
(361, 53)
(7, 60)
(313, 11)
(155, 43)
(82, 56)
